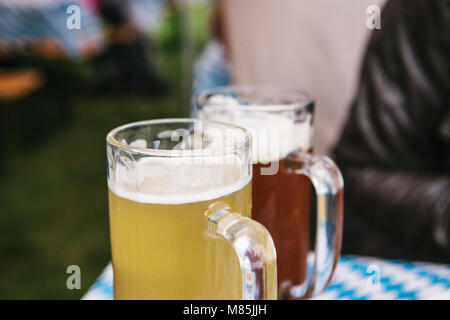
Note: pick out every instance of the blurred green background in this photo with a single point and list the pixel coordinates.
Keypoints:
(54, 197)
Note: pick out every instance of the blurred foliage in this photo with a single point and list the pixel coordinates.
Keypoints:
(199, 24)
(169, 34)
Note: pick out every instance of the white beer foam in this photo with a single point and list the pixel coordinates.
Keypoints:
(274, 135)
(179, 180)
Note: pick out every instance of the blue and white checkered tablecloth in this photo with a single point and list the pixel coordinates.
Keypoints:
(356, 278)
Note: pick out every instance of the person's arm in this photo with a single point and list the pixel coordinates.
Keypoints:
(395, 149)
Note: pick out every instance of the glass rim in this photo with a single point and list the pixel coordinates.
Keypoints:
(304, 101)
(221, 150)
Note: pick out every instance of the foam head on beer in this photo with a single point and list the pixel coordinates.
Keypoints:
(199, 169)
(274, 133)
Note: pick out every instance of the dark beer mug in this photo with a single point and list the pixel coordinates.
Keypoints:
(285, 171)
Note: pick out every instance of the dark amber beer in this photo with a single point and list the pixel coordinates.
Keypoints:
(281, 124)
(281, 202)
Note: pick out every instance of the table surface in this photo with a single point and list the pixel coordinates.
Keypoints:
(356, 278)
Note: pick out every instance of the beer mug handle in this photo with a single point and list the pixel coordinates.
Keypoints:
(329, 185)
(254, 248)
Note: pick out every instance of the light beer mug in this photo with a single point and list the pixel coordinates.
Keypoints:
(179, 208)
(284, 172)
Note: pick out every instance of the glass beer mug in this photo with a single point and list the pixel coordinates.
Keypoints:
(179, 208)
(280, 121)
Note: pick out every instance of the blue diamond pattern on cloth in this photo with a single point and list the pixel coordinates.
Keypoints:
(353, 280)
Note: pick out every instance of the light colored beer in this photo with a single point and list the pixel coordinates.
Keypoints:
(159, 246)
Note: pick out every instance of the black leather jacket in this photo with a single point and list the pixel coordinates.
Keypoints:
(395, 148)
